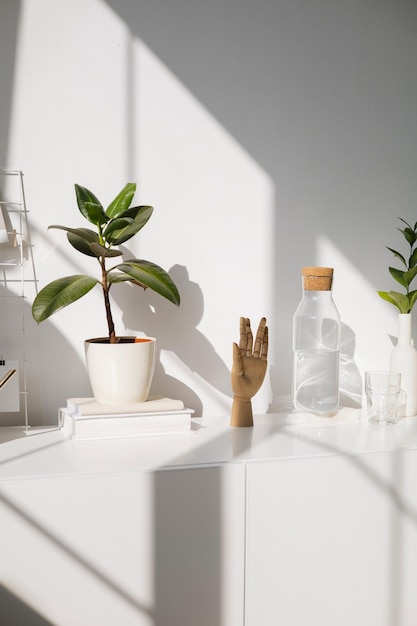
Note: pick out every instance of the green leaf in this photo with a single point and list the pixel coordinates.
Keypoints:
(406, 223)
(397, 254)
(410, 275)
(397, 299)
(116, 225)
(122, 201)
(80, 244)
(86, 233)
(412, 297)
(59, 294)
(90, 206)
(99, 250)
(149, 275)
(398, 275)
(409, 234)
(121, 277)
(80, 238)
(86, 241)
(413, 259)
(131, 212)
(123, 234)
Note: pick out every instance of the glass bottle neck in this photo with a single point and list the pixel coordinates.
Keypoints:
(317, 304)
(311, 293)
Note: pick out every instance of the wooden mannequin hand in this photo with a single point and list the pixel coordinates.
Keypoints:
(248, 370)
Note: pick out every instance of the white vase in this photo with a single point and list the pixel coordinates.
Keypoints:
(404, 360)
(120, 373)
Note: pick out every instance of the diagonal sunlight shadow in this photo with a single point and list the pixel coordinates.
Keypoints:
(237, 442)
(233, 443)
(240, 442)
(14, 611)
(273, 77)
(9, 437)
(74, 556)
(199, 212)
(210, 204)
(8, 52)
(400, 508)
(356, 461)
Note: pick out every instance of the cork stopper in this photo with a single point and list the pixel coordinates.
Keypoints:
(317, 278)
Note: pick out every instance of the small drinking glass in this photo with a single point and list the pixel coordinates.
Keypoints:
(382, 390)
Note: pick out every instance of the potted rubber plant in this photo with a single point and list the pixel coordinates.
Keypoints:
(403, 357)
(125, 364)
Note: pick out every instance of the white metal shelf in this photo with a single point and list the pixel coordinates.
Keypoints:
(17, 270)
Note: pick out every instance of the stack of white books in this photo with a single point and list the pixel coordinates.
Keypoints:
(85, 418)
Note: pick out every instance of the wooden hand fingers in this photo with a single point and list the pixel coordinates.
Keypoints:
(237, 360)
(246, 337)
(261, 341)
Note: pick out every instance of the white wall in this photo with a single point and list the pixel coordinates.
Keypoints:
(268, 135)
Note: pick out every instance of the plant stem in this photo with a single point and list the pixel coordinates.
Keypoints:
(105, 286)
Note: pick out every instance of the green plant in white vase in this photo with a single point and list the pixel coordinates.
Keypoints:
(120, 368)
(405, 276)
(403, 356)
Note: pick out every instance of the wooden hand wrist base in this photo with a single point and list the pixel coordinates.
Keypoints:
(241, 412)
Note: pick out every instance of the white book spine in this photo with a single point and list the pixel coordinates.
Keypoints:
(118, 426)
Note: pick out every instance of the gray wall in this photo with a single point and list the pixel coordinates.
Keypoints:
(322, 95)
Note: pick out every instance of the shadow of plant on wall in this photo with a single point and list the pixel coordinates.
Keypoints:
(177, 333)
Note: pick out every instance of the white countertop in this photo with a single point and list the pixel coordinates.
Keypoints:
(274, 437)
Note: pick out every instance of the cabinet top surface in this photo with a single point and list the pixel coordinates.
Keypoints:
(274, 437)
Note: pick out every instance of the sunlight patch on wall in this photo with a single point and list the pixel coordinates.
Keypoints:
(214, 216)
(372, 321)
(97, 107)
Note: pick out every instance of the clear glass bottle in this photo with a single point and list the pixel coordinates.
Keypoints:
(316, 344)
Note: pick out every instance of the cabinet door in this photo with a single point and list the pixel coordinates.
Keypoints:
(162, 548)
(333, 540)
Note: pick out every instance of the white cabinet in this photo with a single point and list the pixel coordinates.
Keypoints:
(270, 526)
(161, 548)
(333, 541)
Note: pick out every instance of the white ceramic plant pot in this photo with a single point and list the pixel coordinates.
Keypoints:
(120, 373)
